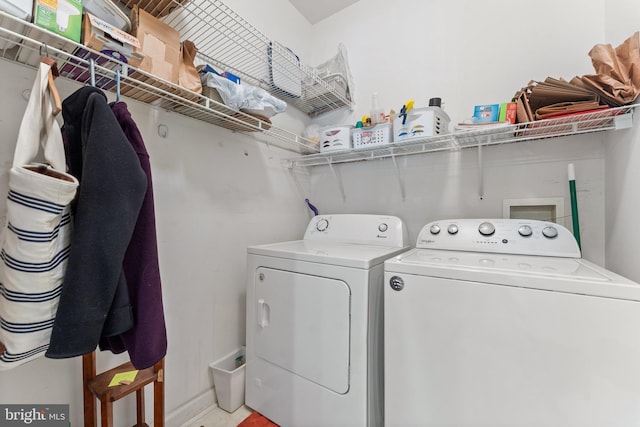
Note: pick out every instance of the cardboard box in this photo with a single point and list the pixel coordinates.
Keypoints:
(486, 113)
(159, 43)
(508, 112)
(63, 17)
(103, 37)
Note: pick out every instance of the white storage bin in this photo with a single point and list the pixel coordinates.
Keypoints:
(19, 8)
(109, 12)
(228, 380)
(373, 136)
(335, 138)
(420, 122)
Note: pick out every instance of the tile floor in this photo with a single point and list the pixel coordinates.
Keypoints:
(217, 417)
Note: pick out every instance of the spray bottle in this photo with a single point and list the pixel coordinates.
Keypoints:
(377, 114)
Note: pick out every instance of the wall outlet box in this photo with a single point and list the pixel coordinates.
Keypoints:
(63, 17)
(508, 112)
(486, 113)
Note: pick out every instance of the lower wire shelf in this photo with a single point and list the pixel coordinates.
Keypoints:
(575, 124)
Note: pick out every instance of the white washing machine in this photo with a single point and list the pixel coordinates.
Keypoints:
(314, 322)
(501, 323)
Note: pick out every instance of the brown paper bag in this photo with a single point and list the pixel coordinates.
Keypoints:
(617, 77)
(188, 76)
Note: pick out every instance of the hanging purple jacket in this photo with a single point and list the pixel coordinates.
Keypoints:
(146, 342)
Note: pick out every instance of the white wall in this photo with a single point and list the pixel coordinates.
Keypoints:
(622, 163)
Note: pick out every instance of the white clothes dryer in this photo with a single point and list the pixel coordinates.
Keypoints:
(501, 323)
(314, 322)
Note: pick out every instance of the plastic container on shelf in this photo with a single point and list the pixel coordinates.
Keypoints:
(377, 114)
(374, 136)
(20, 9)
(420, 122)
(335, 138)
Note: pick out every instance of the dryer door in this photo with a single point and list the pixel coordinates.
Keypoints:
(302, 325)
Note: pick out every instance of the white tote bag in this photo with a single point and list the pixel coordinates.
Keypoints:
(36, 237)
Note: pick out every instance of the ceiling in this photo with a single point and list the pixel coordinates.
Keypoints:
(315, 11)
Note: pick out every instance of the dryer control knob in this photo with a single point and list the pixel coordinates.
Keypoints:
(435, 229)
(396, 283)
(550, 232)
(525, 230)
(452, 229)
(383, 227)
(486, 229)
(322, 225)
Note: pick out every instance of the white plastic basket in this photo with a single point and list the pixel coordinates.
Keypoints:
(373, 136)
(335, 138)
(420, 122)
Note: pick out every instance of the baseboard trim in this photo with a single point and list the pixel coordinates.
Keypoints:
(191, 408)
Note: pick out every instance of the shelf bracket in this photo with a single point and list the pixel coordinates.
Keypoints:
(400, 181)
(623, 121)
(336, 175)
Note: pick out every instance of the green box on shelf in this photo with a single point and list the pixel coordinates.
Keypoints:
(63, 17)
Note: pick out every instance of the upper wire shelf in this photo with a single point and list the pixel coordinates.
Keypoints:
(597, 121)
(26, 43)
(228, 42)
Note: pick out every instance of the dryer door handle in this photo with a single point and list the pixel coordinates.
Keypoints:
(263, 313)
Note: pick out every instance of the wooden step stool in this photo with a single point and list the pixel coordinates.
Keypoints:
(97, 386)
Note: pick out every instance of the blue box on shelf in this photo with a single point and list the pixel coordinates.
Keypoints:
(486, 113)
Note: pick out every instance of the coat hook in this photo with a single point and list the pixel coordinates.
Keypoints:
(46, 50)
(92, 68)
(118, 85)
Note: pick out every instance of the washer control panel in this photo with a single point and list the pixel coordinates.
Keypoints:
(514, 236)
(358, 229)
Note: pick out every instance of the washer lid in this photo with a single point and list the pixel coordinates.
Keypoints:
(332, 253)
(570, 275)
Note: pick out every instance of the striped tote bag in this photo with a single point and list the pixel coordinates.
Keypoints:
(35, 240)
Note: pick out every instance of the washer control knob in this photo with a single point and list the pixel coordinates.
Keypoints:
(525, 231)
(396, 283)
(435, 229)
(322, 225)
(550, 232)
(452, 229)
(486, 229)
(383, 227)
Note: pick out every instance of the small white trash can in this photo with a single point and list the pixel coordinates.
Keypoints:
(228, 380)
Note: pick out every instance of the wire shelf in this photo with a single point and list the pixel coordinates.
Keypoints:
(581, 123)
(228, 42)
(27, 43)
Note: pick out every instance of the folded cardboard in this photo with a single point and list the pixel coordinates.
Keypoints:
(159, 43)
(63, 17)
